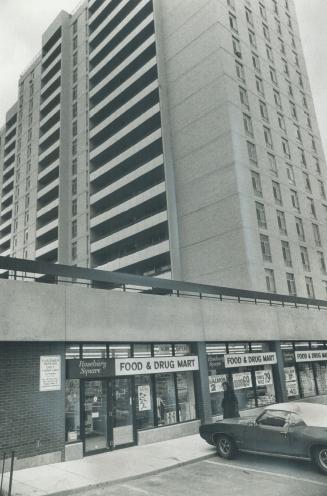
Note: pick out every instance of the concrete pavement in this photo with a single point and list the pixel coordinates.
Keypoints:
(109, 468)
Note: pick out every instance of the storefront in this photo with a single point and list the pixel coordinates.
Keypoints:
(305, 367)
(115, 391)
(248, 367)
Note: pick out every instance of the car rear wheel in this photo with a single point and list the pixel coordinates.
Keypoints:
(225, 447)
(320, 458)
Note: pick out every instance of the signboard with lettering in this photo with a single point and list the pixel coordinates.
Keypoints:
(144, 397)
(136, 366)
(215, 362)
(250, 359)
(311, 356)
(50, 373)
(290, 374)
(89, 368)
(216, 383)
(292, 389)
(242, 380)
(263, 377)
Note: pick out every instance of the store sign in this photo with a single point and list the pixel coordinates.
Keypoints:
(144, 397)
(216, 383)
(292, 389)
(250, 359)
(50, 373)
(290, 374)
(136, 366)
(215, 362)
(263, 377)
(88, 368)
(288, 356)
(242, 380)
(311, 356)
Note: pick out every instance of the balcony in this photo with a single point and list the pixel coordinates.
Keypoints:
(53, 98)
(54, 67)
(106, 19)
(41, 231)
(48, 171)
(49, 190)
(139, 256)
(49, 155)
(7, 182)
(51, 87)
(48, 211)
(5, 212)
(50, 118)
(51, 54)
(5, 224)
(47, 135)
(47, 252)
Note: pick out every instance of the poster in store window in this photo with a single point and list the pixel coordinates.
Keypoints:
(242, 380)
(263, 377)
(292, 389)
(290, 374)
(144, 397)
(216, 383)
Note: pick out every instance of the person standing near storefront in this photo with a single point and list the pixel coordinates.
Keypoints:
(229, 403)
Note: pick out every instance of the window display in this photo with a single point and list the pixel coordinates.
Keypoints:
(186, 397)
(166, 399)
(321, 376)
(72, 410)
(306, 378)
(144, 402)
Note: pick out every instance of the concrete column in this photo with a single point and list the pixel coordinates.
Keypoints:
(202, 384)
(279, 375)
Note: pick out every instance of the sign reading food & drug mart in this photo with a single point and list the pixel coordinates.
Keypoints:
(136, 366)
(311, 356)
(250, 359)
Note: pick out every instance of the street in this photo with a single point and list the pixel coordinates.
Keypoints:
(248, 475)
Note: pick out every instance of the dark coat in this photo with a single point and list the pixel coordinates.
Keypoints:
(229, 405)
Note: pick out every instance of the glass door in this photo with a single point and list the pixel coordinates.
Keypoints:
(122, 412)
(95, 416)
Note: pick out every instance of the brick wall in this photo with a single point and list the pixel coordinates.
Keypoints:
(31, 422)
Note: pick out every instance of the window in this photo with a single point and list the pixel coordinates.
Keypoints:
(273, 75)
(289, 89)
(295, 56)
(236, 47)
(298, 133)
(302, 157)
(295, 200)
(265, 248)
(291, 284)
(299, 228)
(144, 416)
(233, 22)
(313, 143)
(316, 234)
(261, 215)
(278, 26)
(272, 164)
(244, 97)
(263, 12)
(166, 399)
(286, 148)
(231, 4)
(74, 166)
(281, 222)
(270, 281)
(282, 46)
(259, 85)
(307, 184)
(277, 192)
(75, 59)
(74, 250)
(322, 189)
(74, 43)
(263, 110)
(75, 93)
(247, 124)
(305, 258)
(249, 16)
(293, 110)
(74, 186)
(299, 77)
(74, 128)
(74, 228)
(277, 99)
(74, 147)
(75, 75)
(311, 207)
(253, 41)
(321, 260)
(268, 137)
(240, 71)
(286, 253)
(309, 286)
(256, 183)
(269, 53)
(290, 173)
(317, 165)
(273, 418)
(275, 6)
(72, 409)
(252, 152)
(27, 201)
(75, 27)
(281, 122)
(74, 110)
(256, 62)
(285, 67)
(309, 124)
(325, 286)
(74, 207)
(266, 33)
(304, 100)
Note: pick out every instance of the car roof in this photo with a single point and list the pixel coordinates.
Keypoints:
(313, 414)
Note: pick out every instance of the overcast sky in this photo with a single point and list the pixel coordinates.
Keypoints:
(22, 23)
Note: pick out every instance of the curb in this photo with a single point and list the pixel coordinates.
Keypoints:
(102, 485)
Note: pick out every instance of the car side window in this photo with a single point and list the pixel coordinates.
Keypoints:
(273, 418)
(295, 420)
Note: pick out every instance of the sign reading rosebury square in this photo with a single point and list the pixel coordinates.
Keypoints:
(135, 366)
(250, 359)
(311, 356)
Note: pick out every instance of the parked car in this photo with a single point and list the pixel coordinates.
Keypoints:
(295, 430)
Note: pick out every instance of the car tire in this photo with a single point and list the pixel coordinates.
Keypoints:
(225, 447)
(320, 458)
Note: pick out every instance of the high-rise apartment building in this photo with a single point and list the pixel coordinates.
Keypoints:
(173, 139)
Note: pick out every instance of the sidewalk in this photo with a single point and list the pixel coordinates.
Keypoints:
(108, 468)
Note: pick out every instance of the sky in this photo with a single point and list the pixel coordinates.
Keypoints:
(22, 23)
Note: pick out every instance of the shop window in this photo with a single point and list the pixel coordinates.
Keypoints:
(165, 399)
(142, 350)
(72, 351)
(72, 410)
(164, 349)
(182, 349)
(119, 351)
(306, 380)
(186, 396)
(321, 377)
(94, 351)
(144, 402)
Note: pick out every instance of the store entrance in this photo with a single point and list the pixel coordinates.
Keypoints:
(107, 414)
